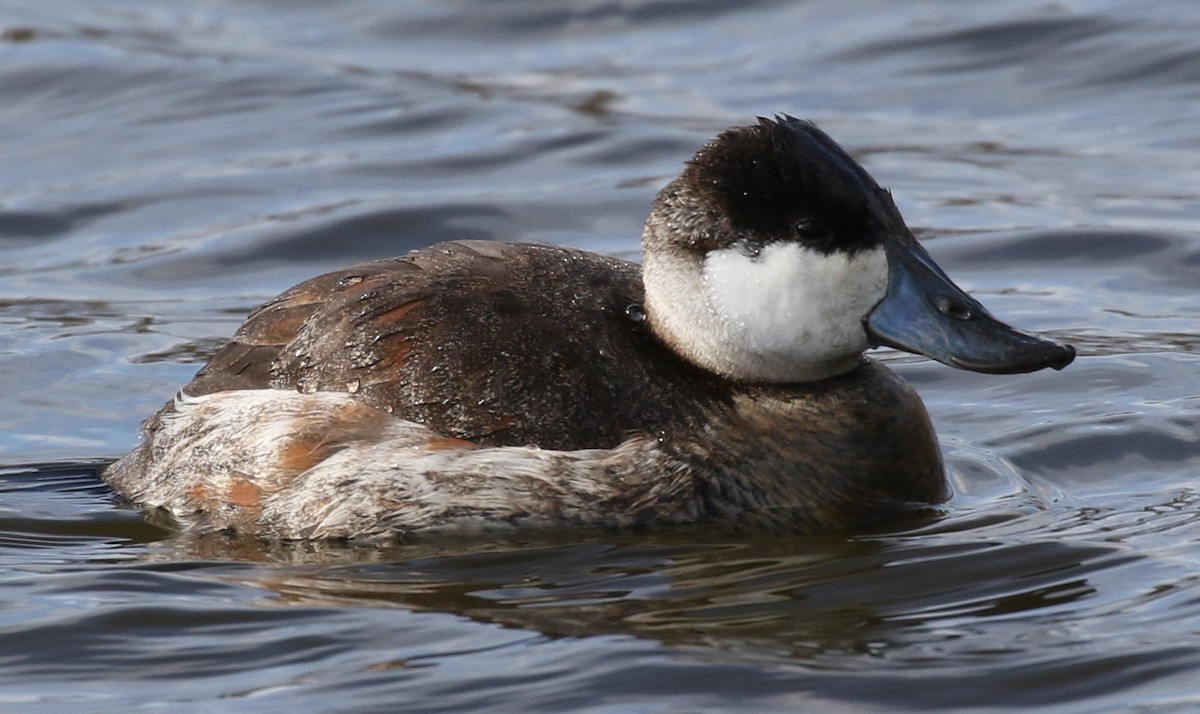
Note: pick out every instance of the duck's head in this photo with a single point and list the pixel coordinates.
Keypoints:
(775, 257)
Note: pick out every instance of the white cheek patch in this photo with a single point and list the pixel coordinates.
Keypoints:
(794, 306)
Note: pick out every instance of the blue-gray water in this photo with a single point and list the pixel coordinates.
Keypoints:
(166, 166)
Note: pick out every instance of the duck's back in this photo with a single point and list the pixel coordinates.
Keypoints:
(499, 344)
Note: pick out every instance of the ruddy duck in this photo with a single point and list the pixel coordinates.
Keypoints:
(477, 385)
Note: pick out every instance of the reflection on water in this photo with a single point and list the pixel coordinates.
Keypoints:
(1006, 589)
(168, 167)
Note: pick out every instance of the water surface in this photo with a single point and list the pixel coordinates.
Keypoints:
(166, 168)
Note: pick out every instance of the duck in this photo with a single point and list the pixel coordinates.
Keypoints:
(474, 385)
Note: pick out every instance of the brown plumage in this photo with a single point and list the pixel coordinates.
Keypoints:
(499, 344)
(479, 384)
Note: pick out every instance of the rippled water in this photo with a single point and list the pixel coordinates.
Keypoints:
(166, 166)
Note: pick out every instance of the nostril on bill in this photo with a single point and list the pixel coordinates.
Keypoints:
(954, 309)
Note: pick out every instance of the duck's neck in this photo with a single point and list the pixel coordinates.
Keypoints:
(823, 456)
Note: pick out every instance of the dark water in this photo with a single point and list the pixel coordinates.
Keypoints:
(166, 166)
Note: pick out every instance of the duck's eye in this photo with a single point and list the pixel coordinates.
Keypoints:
(810, 230)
